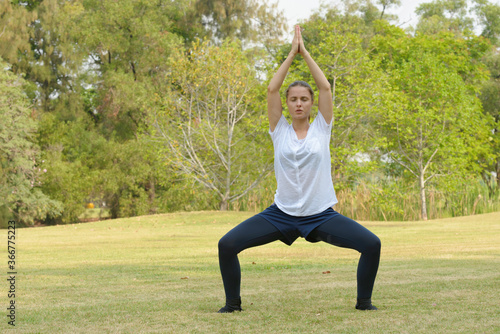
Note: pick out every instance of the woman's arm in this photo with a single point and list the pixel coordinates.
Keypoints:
(274, 108)
(325, 99)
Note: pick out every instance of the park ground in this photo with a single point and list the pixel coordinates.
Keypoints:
(159, 274)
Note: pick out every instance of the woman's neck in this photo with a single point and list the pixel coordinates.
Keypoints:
(301, 127)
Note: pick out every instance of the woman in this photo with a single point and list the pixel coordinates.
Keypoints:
(305, 195)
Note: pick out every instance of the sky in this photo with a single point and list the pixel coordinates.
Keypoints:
(295, 10)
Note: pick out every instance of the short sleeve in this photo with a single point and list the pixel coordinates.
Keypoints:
(322, 125)
(280, 128)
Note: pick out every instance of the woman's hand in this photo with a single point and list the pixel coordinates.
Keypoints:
(274, 107)
(298, 42)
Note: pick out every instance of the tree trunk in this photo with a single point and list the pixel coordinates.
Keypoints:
(423, 202)
(224, 205)
(152, 195)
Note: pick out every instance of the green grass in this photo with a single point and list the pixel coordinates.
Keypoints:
(159, 274)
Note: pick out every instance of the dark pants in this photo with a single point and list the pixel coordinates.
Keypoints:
(339, 231)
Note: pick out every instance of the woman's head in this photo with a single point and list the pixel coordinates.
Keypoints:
(300, 83)
(299, 100)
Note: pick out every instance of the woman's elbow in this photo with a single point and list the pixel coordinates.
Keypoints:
(326, 86)
(272, 89)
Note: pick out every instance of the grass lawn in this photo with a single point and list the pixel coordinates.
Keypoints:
(159, 274)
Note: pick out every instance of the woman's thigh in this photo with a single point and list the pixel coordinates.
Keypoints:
(344, 232)
(254, 231)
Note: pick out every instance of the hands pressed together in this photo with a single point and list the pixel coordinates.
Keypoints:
(298, 42)
(325, 100)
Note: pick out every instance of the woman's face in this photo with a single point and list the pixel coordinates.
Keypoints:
(299, 102)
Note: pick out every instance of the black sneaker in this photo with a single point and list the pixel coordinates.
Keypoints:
(365, 305)
(231, 306)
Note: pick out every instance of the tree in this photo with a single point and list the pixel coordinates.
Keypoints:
(452, 15)
(43, 53)
(247, 20)
(441, 15)
(14, 34)
(489, 16)
(386, 4)
(489, 19)
(210, 126)
(20, 170)
(460, 15)
(366, 10)
(435, 127)
(130, 178)
(490, 98)
(127, 44)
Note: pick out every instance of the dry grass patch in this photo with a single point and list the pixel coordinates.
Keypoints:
(159, 274)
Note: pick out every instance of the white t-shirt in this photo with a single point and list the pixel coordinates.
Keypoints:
(303, 168)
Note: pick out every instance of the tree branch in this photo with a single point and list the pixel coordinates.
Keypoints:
(403, 164)
(429, 161)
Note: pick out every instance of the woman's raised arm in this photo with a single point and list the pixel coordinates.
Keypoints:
(325, 98)
(274, 107)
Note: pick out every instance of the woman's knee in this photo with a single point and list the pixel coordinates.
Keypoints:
(373, 245)
(227, 246)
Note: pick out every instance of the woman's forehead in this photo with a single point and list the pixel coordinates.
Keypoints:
(298, 91)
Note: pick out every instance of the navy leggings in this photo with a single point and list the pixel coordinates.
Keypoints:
(339, 231)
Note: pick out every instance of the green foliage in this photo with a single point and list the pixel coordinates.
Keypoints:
(83, 166)
(368, 11)
(129, 44)
(52, 60)
(30, 5)
(15, 21)
(245, 20)
(210, 126)
(436, 126)
(442, 15)
(392, 46)
(490, 98)
(66, 145)
(459, 16)
(489, 17)
(131, 111)
(20, 167)
(376, 197)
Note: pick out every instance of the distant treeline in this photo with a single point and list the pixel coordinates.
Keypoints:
(144, 107)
